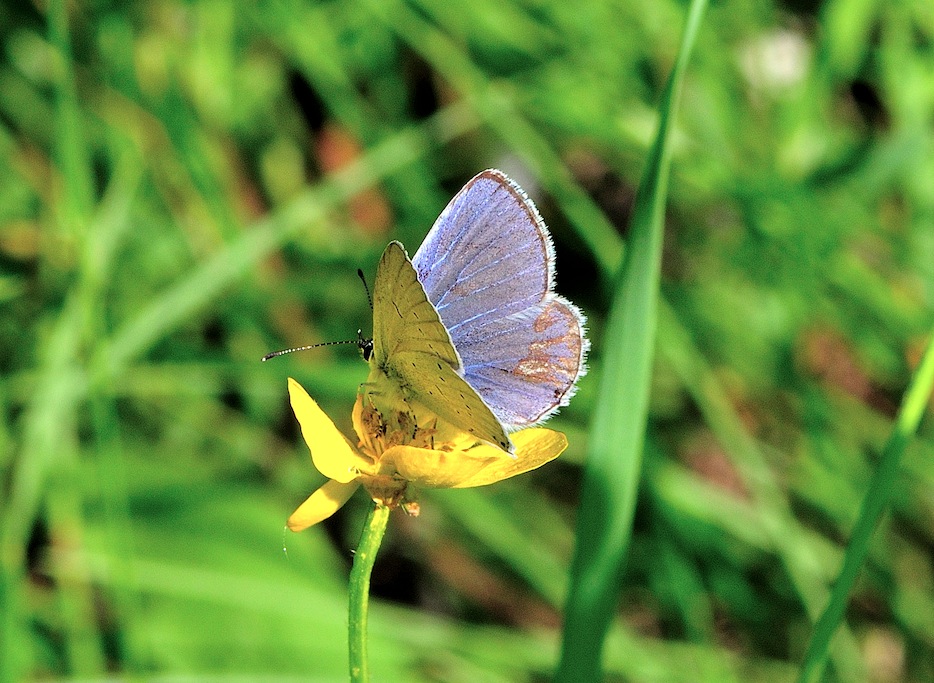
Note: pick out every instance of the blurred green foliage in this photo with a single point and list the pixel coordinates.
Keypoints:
(188, 185)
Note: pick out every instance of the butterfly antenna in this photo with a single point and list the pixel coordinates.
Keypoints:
(366, 287)
(364, 344)
(311, 346)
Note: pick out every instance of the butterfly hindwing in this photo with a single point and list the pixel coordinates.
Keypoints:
(412, 347)
(487, 265)
(525, 366)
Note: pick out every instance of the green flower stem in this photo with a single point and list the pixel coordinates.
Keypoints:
(363, 560)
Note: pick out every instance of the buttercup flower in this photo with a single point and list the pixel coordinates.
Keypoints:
(401, 444)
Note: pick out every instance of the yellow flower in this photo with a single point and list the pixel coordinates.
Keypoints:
(401, 443)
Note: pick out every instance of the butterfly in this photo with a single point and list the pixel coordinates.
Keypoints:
(471, 327)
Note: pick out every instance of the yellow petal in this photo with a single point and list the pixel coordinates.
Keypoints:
(332, 453)
(438, 469)
(321, 504)
(534, 447)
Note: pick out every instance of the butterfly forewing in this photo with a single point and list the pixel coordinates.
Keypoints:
(487, 256)
(412, 347)
(403, 318)
(487, 266)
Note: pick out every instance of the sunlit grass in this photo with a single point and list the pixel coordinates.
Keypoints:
(187, 186)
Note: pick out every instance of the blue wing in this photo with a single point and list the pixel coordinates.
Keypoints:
(487, 266)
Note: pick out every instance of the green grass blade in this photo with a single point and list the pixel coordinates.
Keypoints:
(495, 104)
(206, 282)
(776, 528)
(874, 505)
(614, 459)
(72, 155)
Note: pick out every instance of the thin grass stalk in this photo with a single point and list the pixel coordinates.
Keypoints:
(876, 502)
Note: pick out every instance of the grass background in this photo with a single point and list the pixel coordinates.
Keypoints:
(186, 186)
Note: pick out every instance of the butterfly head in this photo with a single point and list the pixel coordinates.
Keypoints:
(365, 345)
